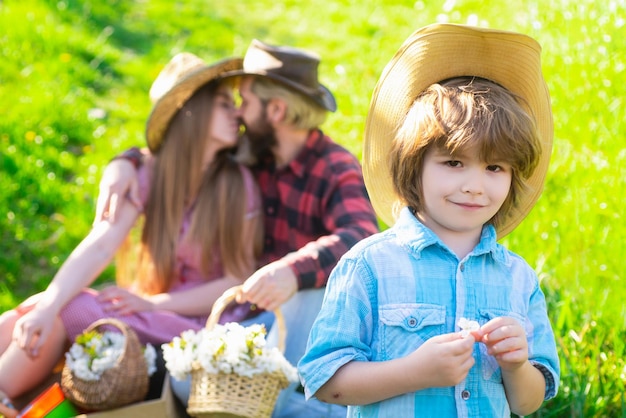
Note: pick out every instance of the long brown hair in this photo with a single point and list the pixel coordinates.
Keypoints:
(218, 194)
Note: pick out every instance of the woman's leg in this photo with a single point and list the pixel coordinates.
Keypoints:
(18, 371)
(7, 323)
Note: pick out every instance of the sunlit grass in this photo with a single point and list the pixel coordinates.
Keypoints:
(74, 82)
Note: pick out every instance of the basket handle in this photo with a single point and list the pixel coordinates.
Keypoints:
(116, 323)
(109, 321)
(228, 296)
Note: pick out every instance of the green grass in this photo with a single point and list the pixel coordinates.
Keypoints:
(62, 59)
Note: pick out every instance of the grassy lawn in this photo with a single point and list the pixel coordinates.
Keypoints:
(74, 83)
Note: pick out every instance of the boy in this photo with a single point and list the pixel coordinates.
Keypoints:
(457, 144)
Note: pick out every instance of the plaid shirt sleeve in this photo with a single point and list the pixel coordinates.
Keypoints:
(134, 155)
(335, 199)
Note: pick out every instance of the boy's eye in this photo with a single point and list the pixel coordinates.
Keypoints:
(453, 163)
(494, 168)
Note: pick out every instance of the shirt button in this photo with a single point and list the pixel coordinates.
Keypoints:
(412, 322)
(462, 267)
(465, 395)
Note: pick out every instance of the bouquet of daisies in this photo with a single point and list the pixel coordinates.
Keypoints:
(106, 369)
(229, 348)
(93, 353)
(233, 371)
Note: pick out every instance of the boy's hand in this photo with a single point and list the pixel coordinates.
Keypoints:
(445, 359)
(505, 339)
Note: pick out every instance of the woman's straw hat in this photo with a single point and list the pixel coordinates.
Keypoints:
(438, 52)
(174, 85)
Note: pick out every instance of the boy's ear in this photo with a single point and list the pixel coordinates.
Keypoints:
(276, 110)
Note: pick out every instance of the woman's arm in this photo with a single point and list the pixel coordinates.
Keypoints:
(80, 269)
(194, 302)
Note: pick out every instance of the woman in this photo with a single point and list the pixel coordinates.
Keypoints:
(201, 234)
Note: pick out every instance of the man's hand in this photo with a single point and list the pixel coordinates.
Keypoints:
(270, 286)
(119, 181)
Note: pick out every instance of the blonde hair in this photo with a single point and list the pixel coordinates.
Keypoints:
(302, 112)
(177, 179)
(461, 113)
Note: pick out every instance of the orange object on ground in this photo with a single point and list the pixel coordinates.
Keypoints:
(50, 404)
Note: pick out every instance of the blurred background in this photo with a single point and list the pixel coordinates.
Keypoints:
(74, 84)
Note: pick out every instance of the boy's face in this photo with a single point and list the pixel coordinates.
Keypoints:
(461, 193)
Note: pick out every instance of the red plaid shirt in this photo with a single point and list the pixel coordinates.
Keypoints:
(315, 209)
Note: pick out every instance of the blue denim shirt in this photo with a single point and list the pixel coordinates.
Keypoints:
(395, 290)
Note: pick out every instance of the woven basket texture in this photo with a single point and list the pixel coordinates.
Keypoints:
(224, 395)
(124, 383)
(234, 395)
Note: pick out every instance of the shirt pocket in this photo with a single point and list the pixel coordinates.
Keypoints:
(490, 368)
(405, 327)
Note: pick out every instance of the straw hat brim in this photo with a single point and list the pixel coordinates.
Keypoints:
(165, 108)
(438, 52)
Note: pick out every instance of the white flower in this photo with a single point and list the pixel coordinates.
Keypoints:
(93, 353)
(150, 355)
(467, 326)
(228, 348)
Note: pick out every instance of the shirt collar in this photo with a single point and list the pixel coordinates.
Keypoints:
(414, 234)
(304, 157)
(307, 154)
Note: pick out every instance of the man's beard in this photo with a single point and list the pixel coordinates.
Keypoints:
(260, 138)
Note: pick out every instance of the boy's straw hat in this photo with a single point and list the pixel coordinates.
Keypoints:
(294, 68)
(438, 52)
(175, 84)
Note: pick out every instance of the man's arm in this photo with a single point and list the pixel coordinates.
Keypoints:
(347, 214)
(119, 181)
(350, 218)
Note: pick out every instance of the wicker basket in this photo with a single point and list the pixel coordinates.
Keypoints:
(124, 383)
(230, 395)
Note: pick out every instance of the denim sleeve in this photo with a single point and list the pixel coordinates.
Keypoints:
(344, 327)
(542, 349)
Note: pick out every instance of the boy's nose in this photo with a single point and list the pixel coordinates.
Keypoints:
(473, 182)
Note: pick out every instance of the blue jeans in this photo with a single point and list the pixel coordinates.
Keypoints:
(299, 312)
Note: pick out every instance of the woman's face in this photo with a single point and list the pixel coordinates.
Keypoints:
(224, 126)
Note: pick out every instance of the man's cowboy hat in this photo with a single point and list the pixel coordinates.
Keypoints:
(438, 52)
(175, 84)
(292, 67)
